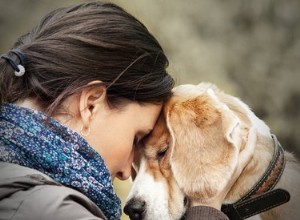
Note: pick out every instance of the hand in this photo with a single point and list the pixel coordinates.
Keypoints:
(244, 158)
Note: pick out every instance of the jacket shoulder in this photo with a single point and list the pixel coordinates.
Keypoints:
(30, 195)
(52, 202)
(204, 213)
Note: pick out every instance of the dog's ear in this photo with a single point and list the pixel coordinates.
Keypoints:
(230, 121)
(204, 154)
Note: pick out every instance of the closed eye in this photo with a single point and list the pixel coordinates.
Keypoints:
(160, 154)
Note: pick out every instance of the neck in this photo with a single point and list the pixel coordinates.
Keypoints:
(28, 103)
(252, 173)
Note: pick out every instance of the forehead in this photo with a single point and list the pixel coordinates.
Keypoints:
(142, 115)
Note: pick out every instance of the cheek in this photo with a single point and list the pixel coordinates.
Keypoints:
(120, 154)
(113, 135)
(126, 155)
(113, 138)
(114, 144)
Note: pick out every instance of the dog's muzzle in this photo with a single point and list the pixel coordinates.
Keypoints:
(135, 209)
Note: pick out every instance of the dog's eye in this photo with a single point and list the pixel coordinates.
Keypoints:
(162, 153)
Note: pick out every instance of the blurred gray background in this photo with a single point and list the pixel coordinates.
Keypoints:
(248, 48)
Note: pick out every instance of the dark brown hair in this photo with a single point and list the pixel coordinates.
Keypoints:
(76, 45)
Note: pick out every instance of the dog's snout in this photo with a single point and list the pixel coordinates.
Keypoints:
(135, 209)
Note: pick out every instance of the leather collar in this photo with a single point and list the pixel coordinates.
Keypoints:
(261, 197)
(272, 174)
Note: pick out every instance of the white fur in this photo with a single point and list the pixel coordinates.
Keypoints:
(154, 193)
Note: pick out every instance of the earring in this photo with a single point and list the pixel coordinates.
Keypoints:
(85, 132)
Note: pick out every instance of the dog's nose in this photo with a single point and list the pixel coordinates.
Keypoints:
(135, 209)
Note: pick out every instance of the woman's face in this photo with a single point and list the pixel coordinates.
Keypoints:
(113, 133)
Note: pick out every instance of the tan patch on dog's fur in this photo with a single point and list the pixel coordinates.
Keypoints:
(157, 167)
(192, 121)
(205, 130)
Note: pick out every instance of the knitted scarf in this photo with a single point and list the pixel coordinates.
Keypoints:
(27, 138)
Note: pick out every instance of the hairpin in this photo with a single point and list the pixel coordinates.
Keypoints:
(19, 69)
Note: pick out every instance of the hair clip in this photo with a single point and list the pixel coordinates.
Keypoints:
(19, 69)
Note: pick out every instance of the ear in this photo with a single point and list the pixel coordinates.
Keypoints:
(230, 122)
(90, 101)
(203, 157)
(230, 126)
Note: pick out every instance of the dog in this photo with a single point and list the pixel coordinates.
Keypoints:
(191, 151)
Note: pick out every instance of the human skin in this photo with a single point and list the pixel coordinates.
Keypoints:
(111, 131)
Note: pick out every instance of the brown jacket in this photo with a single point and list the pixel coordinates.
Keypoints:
(204, 213)
(27, 194)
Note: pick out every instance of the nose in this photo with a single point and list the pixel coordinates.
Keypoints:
(125, 172)
(135, 209)
(123, 175)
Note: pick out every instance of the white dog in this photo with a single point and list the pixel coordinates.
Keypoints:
(191, 153)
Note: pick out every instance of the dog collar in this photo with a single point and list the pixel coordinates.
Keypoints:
(261, 197)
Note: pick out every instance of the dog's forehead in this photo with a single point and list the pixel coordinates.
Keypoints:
(159, 134)
(154, 142)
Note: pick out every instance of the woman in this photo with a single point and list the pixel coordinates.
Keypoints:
(77, 93)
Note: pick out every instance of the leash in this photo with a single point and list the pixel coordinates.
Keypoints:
(262, 197)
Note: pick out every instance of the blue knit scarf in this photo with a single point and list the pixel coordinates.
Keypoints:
(28, 139)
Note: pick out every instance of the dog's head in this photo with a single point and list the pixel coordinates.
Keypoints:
(190, 154)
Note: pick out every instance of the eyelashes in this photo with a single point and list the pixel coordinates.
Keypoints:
(160, 154)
